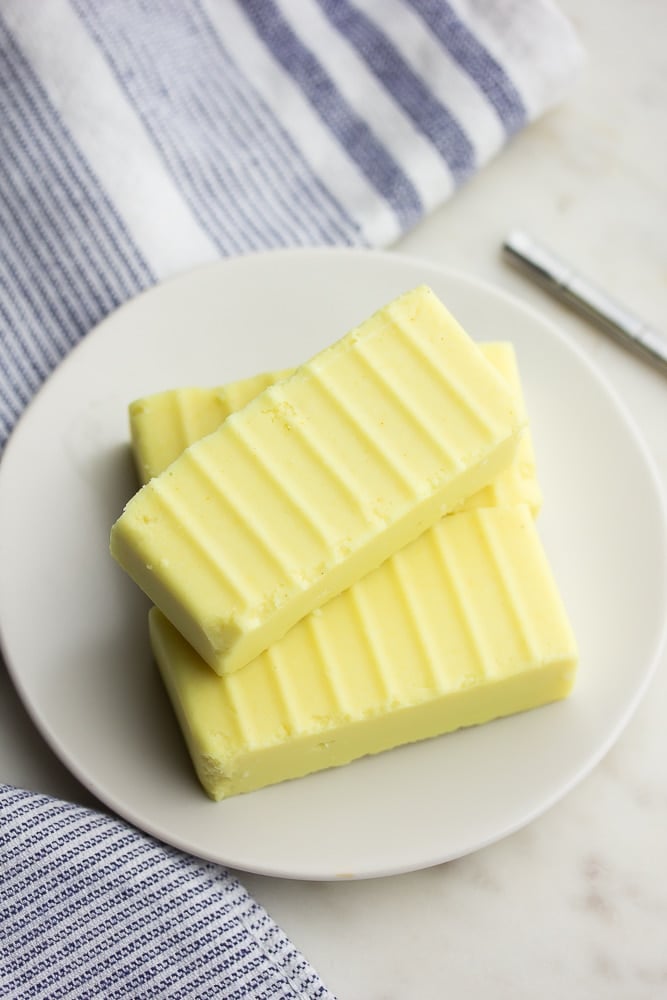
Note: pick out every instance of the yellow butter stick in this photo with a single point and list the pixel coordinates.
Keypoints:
(462, 626)
(318, 480)
(163, 424)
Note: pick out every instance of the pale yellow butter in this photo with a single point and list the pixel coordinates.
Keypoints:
(164, 424)
(518, 481)
(318, 480)
(462, 626)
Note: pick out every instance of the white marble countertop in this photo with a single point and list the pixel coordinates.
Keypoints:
(576, 903)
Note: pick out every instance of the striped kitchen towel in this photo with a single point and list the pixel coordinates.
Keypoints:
(140, 138)
(89, 908)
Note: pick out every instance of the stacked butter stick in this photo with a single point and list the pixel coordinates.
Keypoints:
(343, 558)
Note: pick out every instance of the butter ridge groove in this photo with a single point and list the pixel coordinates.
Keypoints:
(421, 453)
(154, 448)
(372, 680)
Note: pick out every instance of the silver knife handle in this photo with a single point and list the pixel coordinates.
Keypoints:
(587, 298)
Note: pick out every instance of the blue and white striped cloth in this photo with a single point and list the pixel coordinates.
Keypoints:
(138, 139)
(89, 908)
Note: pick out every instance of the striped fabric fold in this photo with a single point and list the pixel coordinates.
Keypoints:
(407, 88)
(67, 258)
(91, 908)
(137, 140)
(469, 52)
(245, 181)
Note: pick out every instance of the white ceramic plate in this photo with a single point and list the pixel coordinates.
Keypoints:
(74, 627)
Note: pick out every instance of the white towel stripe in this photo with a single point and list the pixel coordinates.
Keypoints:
(118, 150)
(325, 155)
(440, 72)
(536, 36)
(418, 159)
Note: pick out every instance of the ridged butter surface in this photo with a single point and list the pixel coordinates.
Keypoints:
(518, 482)
(318, 480)
(462, 626)
(164, 424)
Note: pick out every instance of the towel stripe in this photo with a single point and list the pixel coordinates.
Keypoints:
(246, 194)
(43, 139)
(21, 186)
(354, 78)
(476, 60)
(289, 105)
(443, 75)
(110, 135)
(351, 130)
(67, 258)
(120, 915)
(429, 115)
